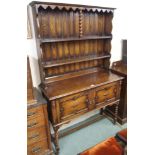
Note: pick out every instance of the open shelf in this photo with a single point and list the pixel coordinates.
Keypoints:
(74, 60)
(47, 40)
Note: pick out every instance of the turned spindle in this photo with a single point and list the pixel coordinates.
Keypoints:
(80, 24)
(116, 112)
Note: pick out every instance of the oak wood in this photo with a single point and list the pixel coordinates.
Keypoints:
(69, 5)
(73, 85)
(36, 135)
(38, 132)
(120, 68)
(71, 61)
(74, 44)
(46, 40)
(38, 148)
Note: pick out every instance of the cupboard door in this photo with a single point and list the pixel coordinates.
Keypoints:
(73, 105)
(106, 94)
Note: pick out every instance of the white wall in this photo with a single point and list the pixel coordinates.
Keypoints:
(119, 32)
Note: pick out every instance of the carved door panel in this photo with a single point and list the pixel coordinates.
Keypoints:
(73, 105)
(106, 94)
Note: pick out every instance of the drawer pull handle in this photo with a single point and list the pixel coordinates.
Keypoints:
(31, 114)
(36, 149)
(89, 102)
(32, 125)
(34, 136)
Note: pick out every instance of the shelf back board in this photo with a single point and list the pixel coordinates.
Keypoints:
(71, 38)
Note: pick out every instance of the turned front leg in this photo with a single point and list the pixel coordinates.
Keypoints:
(116, 113)
(56, 139)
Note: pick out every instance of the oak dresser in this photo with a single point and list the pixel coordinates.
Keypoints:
(74, 44)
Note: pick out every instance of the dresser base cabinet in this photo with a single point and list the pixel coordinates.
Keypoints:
(98, 90)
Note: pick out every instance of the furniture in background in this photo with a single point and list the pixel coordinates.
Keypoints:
(38, 132)
(73, 44)
(120, 68)
(111, 146)
(122, 135)
(124, 51)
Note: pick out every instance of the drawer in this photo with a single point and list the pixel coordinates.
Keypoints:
(105, 94)
(73, 105)
(38, 148)
(36, 135)
(35, 112)
(36, 122)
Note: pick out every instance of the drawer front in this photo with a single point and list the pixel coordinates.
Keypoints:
(38, 148)
(105, 94)
(35, 112)
(73, 105)
(36, 135)
(36, 122)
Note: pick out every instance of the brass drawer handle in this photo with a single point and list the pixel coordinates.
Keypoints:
(34, 136)
(32, 125)
(89, 102)
(31, 114)
(36, 149)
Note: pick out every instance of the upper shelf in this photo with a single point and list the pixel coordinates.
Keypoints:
(48, 40)
(70, 61)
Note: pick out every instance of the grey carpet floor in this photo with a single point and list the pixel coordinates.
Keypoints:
(84, 138)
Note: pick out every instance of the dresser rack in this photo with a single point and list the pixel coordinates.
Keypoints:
(73, 45)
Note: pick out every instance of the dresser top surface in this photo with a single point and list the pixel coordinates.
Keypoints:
(76, 84)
